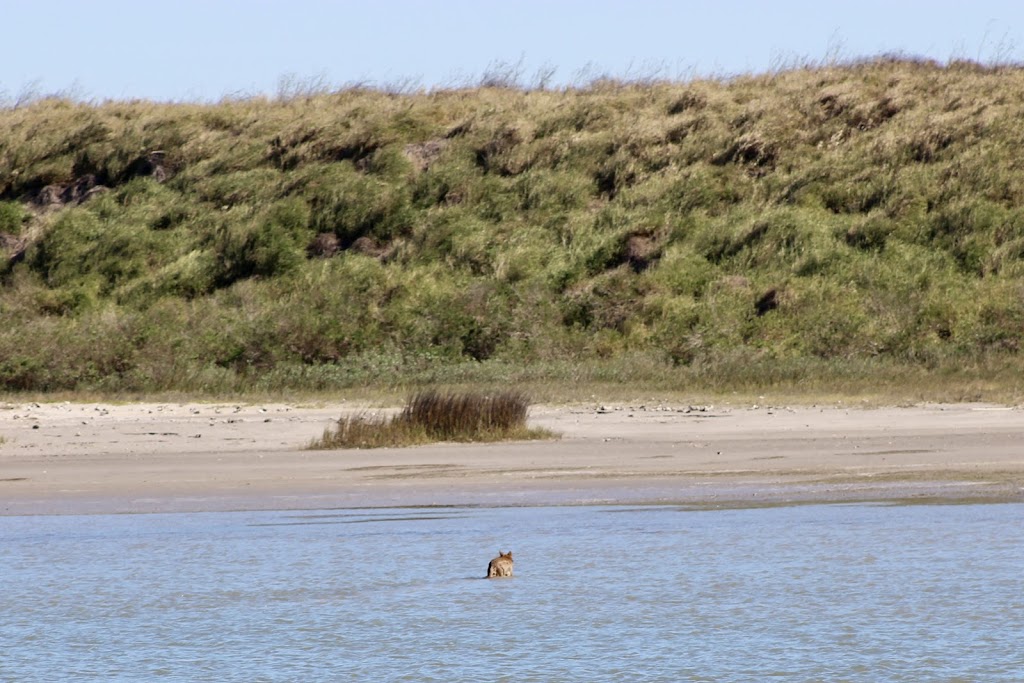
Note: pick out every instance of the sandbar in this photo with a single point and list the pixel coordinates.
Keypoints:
(91, 458)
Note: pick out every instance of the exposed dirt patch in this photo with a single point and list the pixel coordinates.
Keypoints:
(423, 154)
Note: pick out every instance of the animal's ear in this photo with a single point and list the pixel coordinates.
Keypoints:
(509, 556)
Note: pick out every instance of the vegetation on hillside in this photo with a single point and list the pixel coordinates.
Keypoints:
(861, 222)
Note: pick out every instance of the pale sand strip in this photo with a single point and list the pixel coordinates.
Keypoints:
(78, 458)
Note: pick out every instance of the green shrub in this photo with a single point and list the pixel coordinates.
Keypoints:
(63, 253)
(266, 246)
(12, 218)
(352, 205)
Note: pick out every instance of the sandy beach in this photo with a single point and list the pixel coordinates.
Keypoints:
(69, 458)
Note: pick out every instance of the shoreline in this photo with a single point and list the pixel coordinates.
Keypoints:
(72, 458)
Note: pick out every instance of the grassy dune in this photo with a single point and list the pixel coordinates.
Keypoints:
(853, 229)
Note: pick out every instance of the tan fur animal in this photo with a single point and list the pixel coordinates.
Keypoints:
(500, 566)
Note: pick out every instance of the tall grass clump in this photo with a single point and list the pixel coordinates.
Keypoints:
(432, 416)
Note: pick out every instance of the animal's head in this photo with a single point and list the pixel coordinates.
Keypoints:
(508, 554)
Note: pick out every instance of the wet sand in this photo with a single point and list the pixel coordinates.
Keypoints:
(65, 458)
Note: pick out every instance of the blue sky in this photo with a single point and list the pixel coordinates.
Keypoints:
(207, 49)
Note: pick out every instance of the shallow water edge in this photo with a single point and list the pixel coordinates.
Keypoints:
(696, 496)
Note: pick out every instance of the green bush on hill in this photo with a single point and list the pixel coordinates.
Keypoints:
(819, 227)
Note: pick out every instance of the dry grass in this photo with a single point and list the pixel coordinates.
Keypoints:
(431, 416)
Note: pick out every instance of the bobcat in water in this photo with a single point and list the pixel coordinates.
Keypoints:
(500, 566)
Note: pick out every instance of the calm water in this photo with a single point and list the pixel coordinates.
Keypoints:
(819, 593)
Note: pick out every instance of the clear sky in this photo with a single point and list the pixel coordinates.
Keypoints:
(206, 49)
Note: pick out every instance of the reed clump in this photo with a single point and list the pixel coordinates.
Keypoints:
(431, 416)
